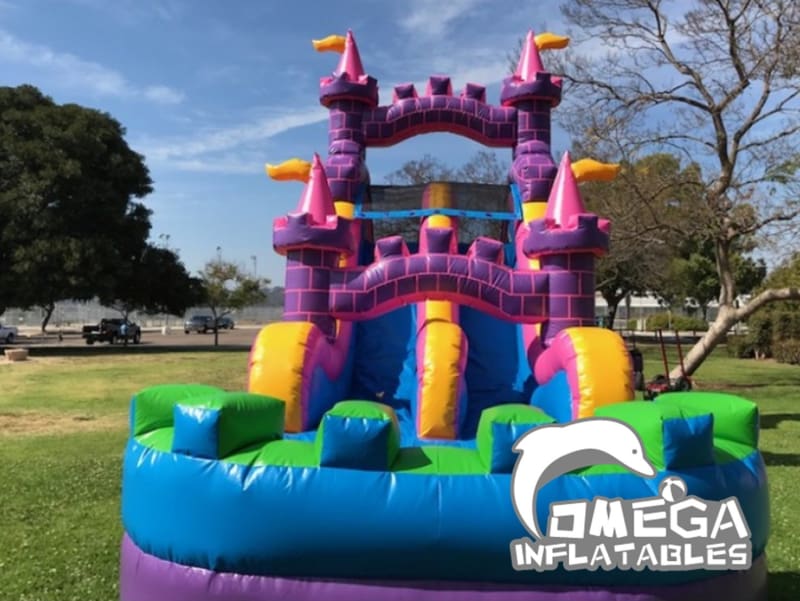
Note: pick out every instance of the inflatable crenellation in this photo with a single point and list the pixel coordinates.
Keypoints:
(222, 424)
(499, 428)
(361, 435)
(680, 431)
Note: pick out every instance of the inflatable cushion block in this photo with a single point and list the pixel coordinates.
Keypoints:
(688, 441)
(152, 408)
(219, 425)
(500, 427)
(196, 431)
(672, 438)
(646, 418)
(358, 435)
(735, 418)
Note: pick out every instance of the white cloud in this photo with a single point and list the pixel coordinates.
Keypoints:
(134, 12)
(485, 73)
(431, 18)
(200, 152)
(466, 59)
(71, 71)
(230, 165)
(163, 95)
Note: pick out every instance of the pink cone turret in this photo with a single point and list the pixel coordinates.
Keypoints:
(350, 63)
(565, 202)
(565, 199)
(530, 63)
(349, 81)
(317, 200)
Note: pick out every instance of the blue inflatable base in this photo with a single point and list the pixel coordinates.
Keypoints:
(344, 523)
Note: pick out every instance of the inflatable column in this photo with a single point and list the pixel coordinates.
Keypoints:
(534, 93)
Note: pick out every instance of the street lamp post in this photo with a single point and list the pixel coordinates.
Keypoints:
(255, 268)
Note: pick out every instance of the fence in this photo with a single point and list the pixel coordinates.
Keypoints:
(74, 315)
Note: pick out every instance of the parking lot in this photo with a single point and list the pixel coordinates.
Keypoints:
(241, 337)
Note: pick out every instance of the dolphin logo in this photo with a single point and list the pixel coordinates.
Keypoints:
(548, 451)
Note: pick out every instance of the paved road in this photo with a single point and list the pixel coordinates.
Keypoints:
(240, 337)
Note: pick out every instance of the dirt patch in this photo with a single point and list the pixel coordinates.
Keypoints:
(31, 423)
(33, 360)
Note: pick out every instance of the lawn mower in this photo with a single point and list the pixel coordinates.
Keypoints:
(637, 361)
(662, 382)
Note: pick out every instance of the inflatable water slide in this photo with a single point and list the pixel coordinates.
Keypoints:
(426, 330)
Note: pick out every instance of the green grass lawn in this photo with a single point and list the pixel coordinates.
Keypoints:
(63, 430)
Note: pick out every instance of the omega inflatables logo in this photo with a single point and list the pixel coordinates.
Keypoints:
(671, 531)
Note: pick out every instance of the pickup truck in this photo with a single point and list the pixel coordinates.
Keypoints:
(8, 334)
(110, 330)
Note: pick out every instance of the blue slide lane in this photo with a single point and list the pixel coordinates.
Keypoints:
(272, 520)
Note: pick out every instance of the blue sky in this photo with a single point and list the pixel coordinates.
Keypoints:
(210, 91)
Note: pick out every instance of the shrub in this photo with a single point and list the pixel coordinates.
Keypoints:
(632, 324)
(787, 351)
(661, 321)
(739, 347)
(772, 325)
(691, 323)
(658, 321)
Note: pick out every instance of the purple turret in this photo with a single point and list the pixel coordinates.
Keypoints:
(566, 242)
(312, 239)
(534, 93)
(347, 94)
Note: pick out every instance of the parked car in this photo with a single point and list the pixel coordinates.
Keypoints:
(8, 334)
(201, 324)
(112, 330)
(225, 322)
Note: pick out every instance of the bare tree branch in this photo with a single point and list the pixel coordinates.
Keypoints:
(716, 82)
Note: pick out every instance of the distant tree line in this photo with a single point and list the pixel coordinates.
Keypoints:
(72, 224)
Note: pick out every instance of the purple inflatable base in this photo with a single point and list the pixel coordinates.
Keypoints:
(147, 578)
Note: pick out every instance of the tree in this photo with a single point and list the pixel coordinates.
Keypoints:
(693, 273)
(154, 281)
(226, 287)
(482, 168)
(275, 296)
(422, 171)
(641, 249)
(67, 214)
(780, 321)
(716, 81)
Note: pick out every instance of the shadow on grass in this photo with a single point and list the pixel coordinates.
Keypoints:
(773, 420)
(784, 586)
(738, 387)
(781, 459)
(141, 349)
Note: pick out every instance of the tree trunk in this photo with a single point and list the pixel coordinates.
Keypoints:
(708, 342)
(125, 337)
(726, 319)
(612, 315)
(612, 301)
(216, 326)
(48, 313)
(727, 316)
